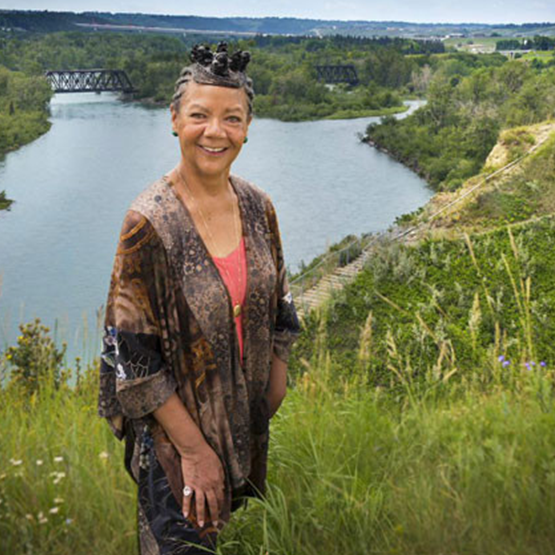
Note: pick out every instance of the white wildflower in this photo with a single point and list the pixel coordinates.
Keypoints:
(58, 476)
(39, 462)
(104, 455)
(58, 500)
(43, 520)
(29, 516)
(69, 520)
(54, 510)
(58, 459)
(16, 462)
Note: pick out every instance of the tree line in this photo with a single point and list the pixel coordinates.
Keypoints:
(449, 139)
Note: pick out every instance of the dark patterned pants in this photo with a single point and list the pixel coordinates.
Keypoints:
(162, 528)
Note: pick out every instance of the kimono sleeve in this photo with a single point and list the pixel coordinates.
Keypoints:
(287, 327)
(134, 378)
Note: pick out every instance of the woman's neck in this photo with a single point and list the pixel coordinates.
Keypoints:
(203, 187)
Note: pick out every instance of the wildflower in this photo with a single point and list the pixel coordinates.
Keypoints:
(58, 500)
(500, 358)
(2, 476)
(40, 515)
(29, 516)
(104, 455)
(16, 462)
(58, 477)
(58, 459)
(54, 510)
(542, 363)
(69, 521)
(527, 364)
(506, 363)
(43, 520)
(39, 462)
(18, 474)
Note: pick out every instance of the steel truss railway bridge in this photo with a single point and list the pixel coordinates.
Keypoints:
(333, 74)
(90, 80)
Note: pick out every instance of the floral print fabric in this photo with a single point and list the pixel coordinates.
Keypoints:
(169, 328)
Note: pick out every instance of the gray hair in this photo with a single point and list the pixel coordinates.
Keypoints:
(198, 74)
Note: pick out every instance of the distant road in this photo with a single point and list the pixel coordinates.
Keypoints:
(172, 30)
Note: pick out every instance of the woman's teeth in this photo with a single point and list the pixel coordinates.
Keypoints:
(213, 149)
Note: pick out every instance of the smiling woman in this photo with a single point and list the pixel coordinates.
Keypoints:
(199, 321)
(212, 125)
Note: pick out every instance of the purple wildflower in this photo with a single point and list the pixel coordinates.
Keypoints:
(500, 358)
(542, 363)
(506, 363)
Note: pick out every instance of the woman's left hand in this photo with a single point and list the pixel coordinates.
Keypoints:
(203, 473)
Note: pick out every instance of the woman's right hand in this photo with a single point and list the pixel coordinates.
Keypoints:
(203, 473)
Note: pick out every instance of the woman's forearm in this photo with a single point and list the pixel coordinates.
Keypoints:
(277, 387)
(180, 427)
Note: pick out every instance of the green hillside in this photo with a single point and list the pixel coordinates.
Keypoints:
(448, 303)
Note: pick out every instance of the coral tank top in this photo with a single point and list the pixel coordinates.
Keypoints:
(233, 269)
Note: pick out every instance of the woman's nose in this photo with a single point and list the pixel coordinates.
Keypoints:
(214, 128)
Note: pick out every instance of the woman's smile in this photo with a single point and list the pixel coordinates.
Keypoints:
(213, 151)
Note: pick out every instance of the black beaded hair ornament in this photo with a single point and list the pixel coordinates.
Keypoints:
(219, 68)
(216, 68)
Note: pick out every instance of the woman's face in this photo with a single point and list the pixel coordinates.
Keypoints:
(212, 123)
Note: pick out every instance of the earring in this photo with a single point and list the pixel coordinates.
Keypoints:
(245, 140)
(174, 133)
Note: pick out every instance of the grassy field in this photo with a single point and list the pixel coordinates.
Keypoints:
(448, 466)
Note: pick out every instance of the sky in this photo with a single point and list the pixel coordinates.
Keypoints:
(417, 11)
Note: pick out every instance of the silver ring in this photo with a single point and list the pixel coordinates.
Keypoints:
(187, 491)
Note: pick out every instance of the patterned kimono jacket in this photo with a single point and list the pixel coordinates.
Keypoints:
(169, 327)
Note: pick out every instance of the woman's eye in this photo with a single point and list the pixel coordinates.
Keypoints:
(234, 119)
(197, 115)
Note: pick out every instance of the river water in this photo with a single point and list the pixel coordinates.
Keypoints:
(73, 185)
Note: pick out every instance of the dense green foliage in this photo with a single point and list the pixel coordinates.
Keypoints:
(448, 140)
(283, 69)
(23, 112)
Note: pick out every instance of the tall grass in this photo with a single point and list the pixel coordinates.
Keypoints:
(443, 462)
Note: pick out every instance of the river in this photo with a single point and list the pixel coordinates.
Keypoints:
(73, 185)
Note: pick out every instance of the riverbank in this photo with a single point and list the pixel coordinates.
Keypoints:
(339, 114)
(23, 114)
